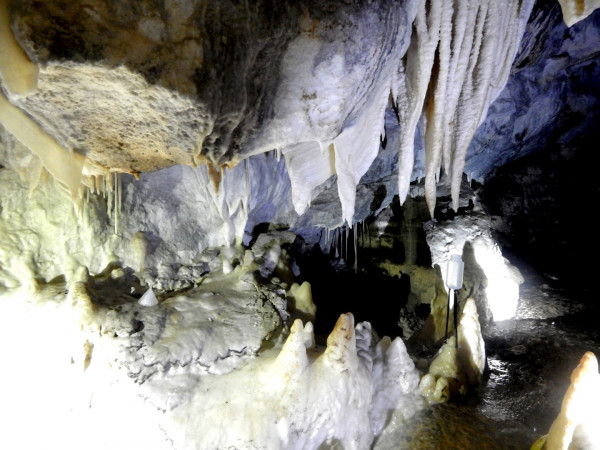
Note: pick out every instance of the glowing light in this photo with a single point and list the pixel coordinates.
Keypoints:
(502, 292)
(49, 398)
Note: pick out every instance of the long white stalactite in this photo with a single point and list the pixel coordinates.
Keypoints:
(458, 62)
(412, 82)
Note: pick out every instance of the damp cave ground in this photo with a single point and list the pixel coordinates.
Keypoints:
(529, 358)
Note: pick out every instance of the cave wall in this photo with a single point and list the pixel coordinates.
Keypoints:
(540, 132)
(552, 97)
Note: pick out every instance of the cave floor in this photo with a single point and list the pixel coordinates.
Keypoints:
(529, 364)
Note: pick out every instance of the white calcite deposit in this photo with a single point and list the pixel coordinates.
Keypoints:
(489, 278)
(335, 76)
(457, 367)
(305, 397)
(214, 366)
(576, 426)
(142, 144)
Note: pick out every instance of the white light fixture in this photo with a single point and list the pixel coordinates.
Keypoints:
(454, 281)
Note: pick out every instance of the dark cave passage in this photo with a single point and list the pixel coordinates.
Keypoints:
(342, 284)
(369, 294)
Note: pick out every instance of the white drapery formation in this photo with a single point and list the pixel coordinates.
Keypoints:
(458, 60)
(457, 63)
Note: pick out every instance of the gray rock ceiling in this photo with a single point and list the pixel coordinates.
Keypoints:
(364, 92)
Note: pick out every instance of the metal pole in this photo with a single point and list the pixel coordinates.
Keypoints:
(447, 314)
(456, 319)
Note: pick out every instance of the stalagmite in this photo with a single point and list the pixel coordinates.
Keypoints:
(341, 345)
(471, 347)
(578, 418)
(292, 358)
(148, 299)
(454, 369)
(301, 301)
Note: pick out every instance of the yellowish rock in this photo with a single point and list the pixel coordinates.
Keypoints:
(579, 409)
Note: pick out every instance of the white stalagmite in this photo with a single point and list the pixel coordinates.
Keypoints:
(292, 359)
(341, 345)
(471, 347)
(300, 299)
(576, 426)
(454, 369)
(148, 299)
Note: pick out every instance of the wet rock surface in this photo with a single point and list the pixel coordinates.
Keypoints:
(529, 363)
(531, 359)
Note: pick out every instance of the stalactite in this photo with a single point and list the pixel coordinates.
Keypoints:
(412, 81)
(116, 203)
(435, 107)
(460, 47)
(365, 134)
(345, 231)
(247, 187)
(355, 234)
(65, 166)
(497, 37)
(460, 57)
(117, 200)
(19, 73)
(97, 184)
(308, 166)
(108, 197)
(457, 62)
(327, 244)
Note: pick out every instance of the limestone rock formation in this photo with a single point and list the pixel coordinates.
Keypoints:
(178, 148)
(576, 426)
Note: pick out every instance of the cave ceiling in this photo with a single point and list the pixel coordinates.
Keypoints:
(457, 87)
